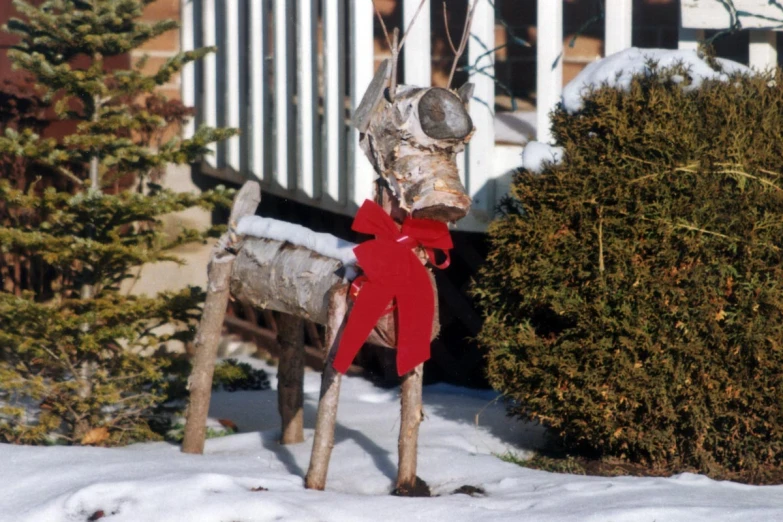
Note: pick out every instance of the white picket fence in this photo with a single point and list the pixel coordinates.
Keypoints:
(293, 107)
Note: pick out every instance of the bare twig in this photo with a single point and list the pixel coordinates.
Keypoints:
(463, 42)
(383, 25)
(410, 24)
(395, 43)
(395, 58)
(446, 24)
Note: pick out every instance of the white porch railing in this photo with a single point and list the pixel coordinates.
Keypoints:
(293, 108)
(698, 15)
(293, 104)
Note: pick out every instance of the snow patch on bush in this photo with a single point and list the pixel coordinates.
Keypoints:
(537, 155)
(617, 70)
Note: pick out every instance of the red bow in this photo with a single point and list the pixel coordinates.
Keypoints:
(392, 271)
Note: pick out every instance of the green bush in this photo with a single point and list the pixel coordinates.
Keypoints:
(633, 295)
(232, 375)
(77, 214)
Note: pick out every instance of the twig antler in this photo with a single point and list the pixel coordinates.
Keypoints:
(458, 51)
(395, 43)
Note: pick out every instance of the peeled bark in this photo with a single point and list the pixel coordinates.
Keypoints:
(290, 378)
(275, 275)
(413, 143)
(323, 440)
(211, 324)
(411, 415)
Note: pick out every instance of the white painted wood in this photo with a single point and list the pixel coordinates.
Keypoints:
(334, 99)
(232, 95)
(417, 67)
(209, 64)
(689, 39)
(717, 14)
(258, 90)
(283, 93)
(362, 70)
(307, 58)
(549, 68)
(188, 43)
(619, 26)
(479, 181)
(763, 50)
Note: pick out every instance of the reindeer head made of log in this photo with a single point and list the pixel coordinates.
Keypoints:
(412, 138)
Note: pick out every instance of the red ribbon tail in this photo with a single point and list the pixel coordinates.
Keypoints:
(370, 304)
(415, 312)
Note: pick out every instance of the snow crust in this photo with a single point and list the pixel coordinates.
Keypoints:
(155, 482)
(536, 155)
(618, 69)
(325, 244)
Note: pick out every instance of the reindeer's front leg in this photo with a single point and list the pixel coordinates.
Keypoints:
(410, 417)
(323, 440)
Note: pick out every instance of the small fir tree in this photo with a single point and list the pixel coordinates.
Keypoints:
(71, 343)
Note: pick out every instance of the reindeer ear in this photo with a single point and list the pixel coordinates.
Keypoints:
(465, 92)
(372, 97)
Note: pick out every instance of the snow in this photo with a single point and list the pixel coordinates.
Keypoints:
(155, 482)
(618, 69)
(325, 244)
(536, 155)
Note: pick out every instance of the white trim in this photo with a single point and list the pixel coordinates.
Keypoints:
(209, 110)
(307, 76)
(549, 81)
(362, 69)
(258, 90)
(232, 95)
(618, 31)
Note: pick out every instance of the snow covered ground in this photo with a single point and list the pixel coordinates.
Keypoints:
(155, 482)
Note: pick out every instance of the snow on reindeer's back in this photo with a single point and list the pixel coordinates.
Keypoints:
(325, 244)
(618, 69)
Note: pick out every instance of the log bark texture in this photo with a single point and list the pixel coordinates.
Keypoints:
(279, 276)
(411, 415)
(413, 142)
(210, 326)
(275, 275)
(323, 440)
(290, 378)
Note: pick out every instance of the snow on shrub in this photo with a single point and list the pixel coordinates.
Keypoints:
(634, 301)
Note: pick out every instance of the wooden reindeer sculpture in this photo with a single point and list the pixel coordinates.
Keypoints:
(411, 136)
(412, 140)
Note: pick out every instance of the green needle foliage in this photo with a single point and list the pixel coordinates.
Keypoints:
(75, 351)
(634, 293)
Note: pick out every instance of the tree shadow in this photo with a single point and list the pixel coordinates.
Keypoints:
(254, 411)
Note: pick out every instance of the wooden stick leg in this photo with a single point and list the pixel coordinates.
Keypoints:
(410, 418)
(211, 324)
(323, 441)
(290, 378)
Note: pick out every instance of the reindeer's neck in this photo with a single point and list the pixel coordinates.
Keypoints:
(389, 202)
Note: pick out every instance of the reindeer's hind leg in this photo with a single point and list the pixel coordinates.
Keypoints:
(323, 441)
(290, 378)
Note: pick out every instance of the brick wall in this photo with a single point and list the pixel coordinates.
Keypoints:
(164, 46)
(159, 49)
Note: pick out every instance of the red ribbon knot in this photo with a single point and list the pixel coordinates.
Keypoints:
(393, 272)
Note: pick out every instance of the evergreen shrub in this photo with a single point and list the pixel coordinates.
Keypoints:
(78, 213)
(633, 294)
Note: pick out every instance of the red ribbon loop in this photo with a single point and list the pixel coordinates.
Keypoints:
(393, 272)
